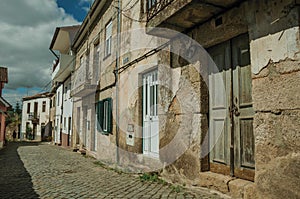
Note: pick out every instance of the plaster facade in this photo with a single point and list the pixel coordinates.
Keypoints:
(36, 117)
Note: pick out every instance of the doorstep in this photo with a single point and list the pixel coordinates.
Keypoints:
(234, 187)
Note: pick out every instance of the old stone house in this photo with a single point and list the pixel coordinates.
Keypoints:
(205, 92)
(94, 82)
(253, 123)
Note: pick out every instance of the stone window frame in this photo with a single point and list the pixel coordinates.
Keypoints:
(108, 39)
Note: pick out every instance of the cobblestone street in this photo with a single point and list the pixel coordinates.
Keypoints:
(34, 170)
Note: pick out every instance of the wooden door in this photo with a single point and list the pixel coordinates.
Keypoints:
(219, 103)
(243, 111)
(150, 116)
(231, 111)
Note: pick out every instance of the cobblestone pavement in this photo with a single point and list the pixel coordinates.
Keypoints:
(33, 170)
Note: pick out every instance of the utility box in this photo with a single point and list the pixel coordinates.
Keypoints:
(130, 135)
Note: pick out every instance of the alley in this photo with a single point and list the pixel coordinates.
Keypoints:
(41, 170)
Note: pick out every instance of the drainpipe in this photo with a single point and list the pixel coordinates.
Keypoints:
(117, 79)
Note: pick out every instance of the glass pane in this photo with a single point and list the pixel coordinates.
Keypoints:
(146, 97)
(105, 116)
(152, 100)
(156, 98)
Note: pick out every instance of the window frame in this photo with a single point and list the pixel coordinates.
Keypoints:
(44, 104)
(104, 116)
(151, 4)
(108, 39)
(28, 107)
(96, 60)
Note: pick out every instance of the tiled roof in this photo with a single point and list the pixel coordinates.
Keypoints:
(4, 102)
(39, 95)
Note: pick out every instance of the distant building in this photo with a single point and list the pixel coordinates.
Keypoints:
(4, 105)
(35, 117)
(62, 102)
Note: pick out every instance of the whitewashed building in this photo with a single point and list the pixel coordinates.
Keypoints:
(35, 117)
(61, 83)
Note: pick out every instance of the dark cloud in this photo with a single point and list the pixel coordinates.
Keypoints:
(27, 27)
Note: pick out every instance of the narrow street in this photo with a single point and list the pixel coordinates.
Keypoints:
(41, 170)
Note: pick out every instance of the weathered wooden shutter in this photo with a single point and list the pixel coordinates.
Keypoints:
(109, 116)
(100, 116)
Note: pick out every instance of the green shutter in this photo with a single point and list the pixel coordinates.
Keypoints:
(109, 118)
(100, 115)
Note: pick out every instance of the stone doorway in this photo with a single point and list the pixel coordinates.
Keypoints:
(230, 109)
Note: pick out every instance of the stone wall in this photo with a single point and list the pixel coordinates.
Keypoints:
(275, 63)
(277, 129)
(273, 28)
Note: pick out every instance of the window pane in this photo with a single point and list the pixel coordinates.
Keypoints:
(96, 61)
(146, 98)
(108, 36)
(105, 117)
(156, 98)
(151, 100)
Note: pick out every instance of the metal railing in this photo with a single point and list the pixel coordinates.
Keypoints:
(32, 116)
(155, 6)
(80, 76)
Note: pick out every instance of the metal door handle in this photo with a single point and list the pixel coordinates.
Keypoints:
(235, 111)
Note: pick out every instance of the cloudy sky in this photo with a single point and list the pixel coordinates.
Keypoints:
(27, 27)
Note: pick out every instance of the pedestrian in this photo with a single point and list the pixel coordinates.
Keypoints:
(14, 135)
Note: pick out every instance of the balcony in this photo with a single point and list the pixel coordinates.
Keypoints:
(181, 15)
(62, 67)
(34, 117)
(82, 82)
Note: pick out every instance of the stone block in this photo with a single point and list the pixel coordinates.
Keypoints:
(280, 178)
(214, 181)
(237, 187)
(250, 191)
(277, 92)
(275, 135)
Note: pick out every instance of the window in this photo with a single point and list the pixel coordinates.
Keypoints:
(58, 96)
(44, 107)
(151, 3)
(65, 93)
(104, 116)
(28, 107)
(65, 123)
(53, 105)
(108, 38)
(96, 60)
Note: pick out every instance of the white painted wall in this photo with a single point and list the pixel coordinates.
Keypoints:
(274, 47)
(67, 107)
(44, 116)
(58, 113)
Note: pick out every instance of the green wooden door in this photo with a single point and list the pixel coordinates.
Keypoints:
(231, 110)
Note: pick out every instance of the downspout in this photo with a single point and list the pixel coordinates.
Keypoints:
(117, 79)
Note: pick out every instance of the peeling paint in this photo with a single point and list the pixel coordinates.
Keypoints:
(274, 47)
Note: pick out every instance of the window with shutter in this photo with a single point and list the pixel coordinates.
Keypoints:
(104, 116)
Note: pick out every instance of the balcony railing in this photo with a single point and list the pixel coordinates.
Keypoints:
(155, 6)
(81, 79)
(34, 117)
